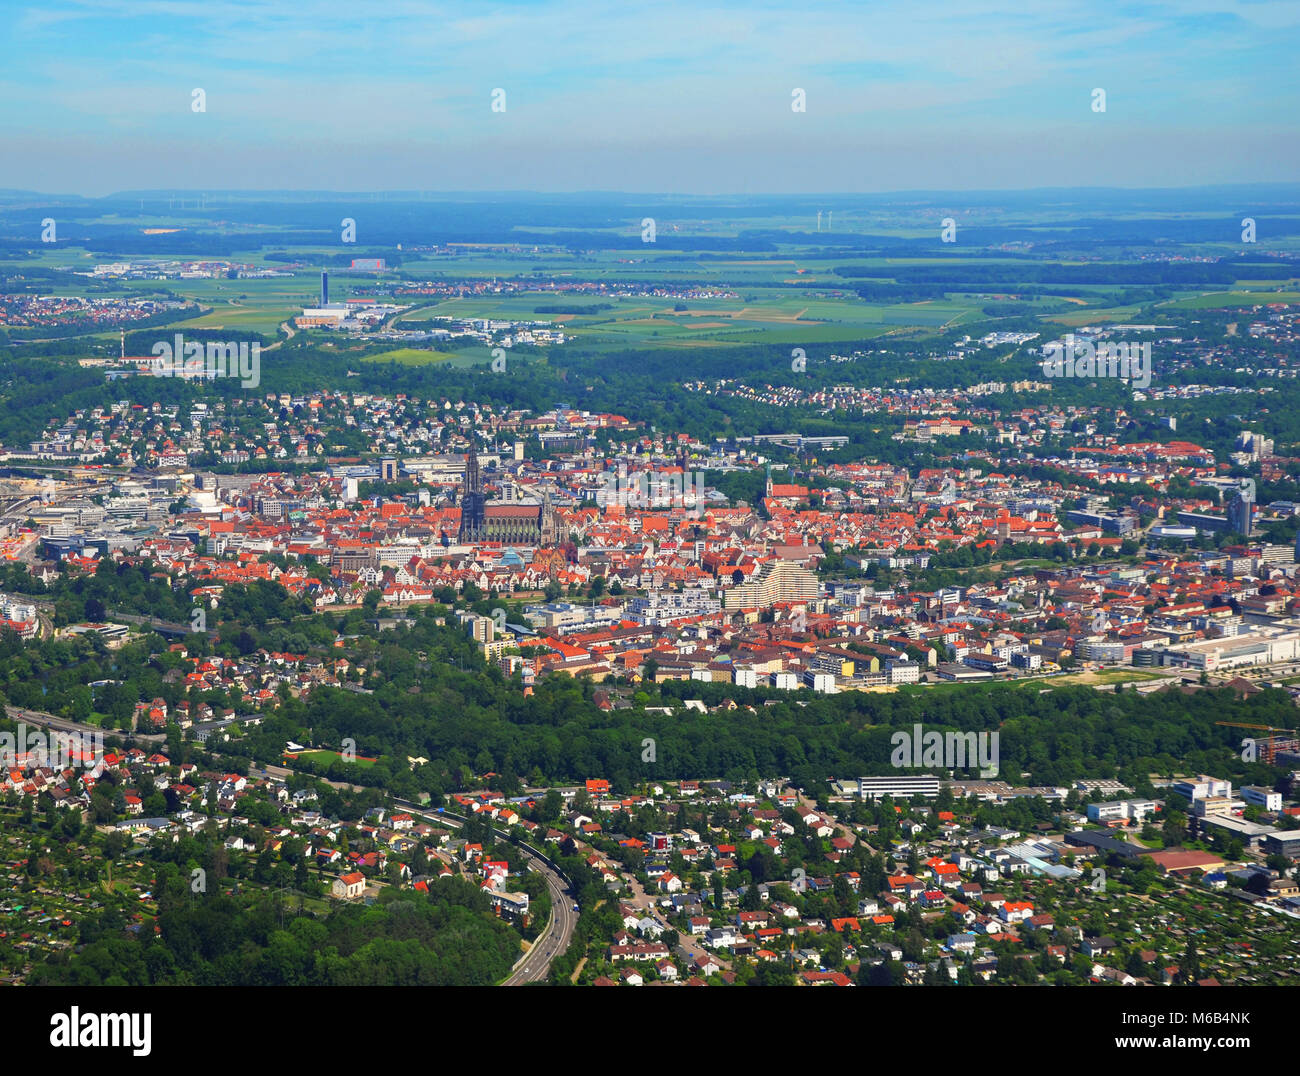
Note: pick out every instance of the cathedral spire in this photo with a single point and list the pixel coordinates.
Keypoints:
(473, 515)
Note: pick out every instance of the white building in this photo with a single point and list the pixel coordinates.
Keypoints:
(903, 672)
(1262, 797)
(898, 787)
(1202, 787)
(1120, 810)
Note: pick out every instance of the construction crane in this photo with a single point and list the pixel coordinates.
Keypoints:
(1272, 745)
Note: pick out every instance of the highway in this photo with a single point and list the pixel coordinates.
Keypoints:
(162, 626)
(555, 939)
(62, 724)
(533, 966)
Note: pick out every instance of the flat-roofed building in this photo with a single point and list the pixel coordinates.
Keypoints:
(775, 581)
(1201, 787)
(1251, 834)
(1120, 810)
(898, 787)
(1283, 842)
(1102, 841)
(1262, 797)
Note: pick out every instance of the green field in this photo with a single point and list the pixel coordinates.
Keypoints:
(1109, 676)
(410, 356)
(1092, 315)
(324, 758)
(767, 315)
(259, 318)
(794, 288)
(1219, 300)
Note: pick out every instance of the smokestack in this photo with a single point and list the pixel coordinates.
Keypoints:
(324, 288)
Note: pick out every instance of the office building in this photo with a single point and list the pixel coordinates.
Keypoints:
(1241, 512)
(897, 787)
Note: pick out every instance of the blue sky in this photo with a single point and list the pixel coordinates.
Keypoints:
(665, 96)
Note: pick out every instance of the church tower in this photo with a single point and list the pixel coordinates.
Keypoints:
(473, 504)
(549, 535)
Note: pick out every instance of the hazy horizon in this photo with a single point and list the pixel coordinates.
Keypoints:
(1278, 187)
(672, 97)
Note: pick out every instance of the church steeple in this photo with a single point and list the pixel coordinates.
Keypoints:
(473, 515)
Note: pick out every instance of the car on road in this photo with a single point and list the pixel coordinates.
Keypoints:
(575, 908)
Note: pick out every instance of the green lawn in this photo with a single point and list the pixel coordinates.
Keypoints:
(410, 356)
(1110, 676)
(324, 758)
(1217, 300)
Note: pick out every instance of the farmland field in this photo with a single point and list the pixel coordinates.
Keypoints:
(409, 356)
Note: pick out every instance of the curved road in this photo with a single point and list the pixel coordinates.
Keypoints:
(533, 966)
(290, 333)
(62, 724)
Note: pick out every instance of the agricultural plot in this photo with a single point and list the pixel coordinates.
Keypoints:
(1228, 299)
(410, 356)
(792, 286)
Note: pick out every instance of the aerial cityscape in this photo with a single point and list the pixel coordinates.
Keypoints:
(515, 581)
